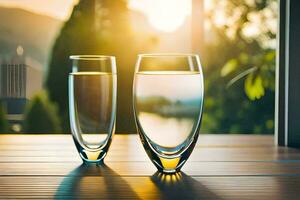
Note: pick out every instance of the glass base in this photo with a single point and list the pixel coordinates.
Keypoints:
(169, 171)
(169, 165)
(92, 156)
(164, 163)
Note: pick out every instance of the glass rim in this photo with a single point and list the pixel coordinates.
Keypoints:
(149, 55)
(91, 57)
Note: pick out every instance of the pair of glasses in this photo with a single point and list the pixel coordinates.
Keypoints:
(167, 103)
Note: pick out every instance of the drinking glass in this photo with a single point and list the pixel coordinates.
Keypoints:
(92, 104)
(167, 101)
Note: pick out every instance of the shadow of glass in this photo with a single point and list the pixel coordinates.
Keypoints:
(94, 181)
(181, 186)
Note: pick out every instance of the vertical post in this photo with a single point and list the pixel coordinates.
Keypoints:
(280, 104)
(288, 75)
(293, 138)
(197, 26)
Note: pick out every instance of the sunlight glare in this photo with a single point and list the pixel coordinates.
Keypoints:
(163, 15)
(54, 8)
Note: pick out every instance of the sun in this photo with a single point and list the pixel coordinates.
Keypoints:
(163, 15)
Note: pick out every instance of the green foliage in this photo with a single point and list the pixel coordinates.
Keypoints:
(97, 27)
(229, 67)
(239, 67)
(254, 87)
(41, 116)
(4, 126)
(254, 50)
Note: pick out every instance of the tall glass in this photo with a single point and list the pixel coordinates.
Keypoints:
(168, 99)
(92, 105)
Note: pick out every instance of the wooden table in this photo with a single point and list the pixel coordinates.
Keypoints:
(221, 167)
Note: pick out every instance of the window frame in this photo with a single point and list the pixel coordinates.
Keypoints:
(287, 110)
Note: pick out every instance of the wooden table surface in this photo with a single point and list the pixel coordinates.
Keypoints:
(220, 167)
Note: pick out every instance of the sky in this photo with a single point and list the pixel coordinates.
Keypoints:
(164, 15)
(60, 9)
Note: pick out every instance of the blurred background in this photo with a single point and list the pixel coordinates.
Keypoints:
(236, 41)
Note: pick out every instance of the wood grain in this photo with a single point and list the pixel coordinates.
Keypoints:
(221, 167)
(99, 187)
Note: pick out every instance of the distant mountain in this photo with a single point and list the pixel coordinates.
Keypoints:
(34, 32)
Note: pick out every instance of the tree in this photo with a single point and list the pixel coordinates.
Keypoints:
(4, 126)
(41, 115)
(240, 60)
(96, 27)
